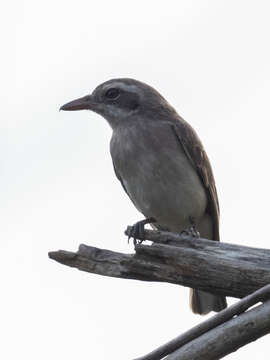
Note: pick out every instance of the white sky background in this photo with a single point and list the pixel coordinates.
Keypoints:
(210, 59)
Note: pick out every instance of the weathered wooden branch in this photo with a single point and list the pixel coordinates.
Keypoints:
(247, 332)
(228, 337)
(216, 267)
(219, 268)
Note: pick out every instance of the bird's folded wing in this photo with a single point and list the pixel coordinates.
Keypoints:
(195, 152)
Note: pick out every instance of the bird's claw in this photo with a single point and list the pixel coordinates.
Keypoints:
(136, 231)
(191, 231)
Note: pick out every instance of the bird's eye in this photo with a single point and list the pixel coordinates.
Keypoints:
(112, 93)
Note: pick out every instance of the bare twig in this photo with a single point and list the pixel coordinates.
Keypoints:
(210, 324)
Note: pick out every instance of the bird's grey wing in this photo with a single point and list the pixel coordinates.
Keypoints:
(195, 152)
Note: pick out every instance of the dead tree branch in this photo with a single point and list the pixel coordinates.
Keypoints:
(227, 337)
(216, 267)
(249, 332)
(219, 268)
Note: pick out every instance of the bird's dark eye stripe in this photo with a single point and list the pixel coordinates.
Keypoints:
(112, 93)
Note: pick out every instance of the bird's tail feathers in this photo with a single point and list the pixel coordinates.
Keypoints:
(202, 302)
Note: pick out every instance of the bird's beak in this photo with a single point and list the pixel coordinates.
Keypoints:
(83, 103)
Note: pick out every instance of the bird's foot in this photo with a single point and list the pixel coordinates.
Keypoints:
(136, 231)
(191, 231)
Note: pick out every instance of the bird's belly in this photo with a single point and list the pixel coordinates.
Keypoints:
(169, 191)
(158, 176)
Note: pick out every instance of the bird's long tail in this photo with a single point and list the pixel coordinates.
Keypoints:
(202, 302)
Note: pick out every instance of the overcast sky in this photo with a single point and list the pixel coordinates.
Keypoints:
(210, 59)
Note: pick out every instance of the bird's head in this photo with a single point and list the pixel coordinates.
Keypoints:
(118, 100)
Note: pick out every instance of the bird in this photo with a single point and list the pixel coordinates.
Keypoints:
(161, 164)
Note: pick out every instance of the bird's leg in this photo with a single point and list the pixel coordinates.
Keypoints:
(192, 230)
(137, 230)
